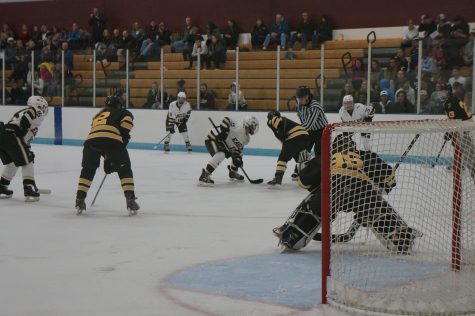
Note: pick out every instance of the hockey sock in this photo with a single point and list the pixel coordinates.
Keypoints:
(210, 168)
(83, 187)
(281, 167)
(185, 137)
(216, 160)
(127, 184)
(8, 173)
(28, 172)
(168, 138)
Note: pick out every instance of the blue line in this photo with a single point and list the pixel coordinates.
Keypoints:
(247, 151)
(58, 125)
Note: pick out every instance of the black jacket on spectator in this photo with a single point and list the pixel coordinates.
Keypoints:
(306, 27)
(406, 107)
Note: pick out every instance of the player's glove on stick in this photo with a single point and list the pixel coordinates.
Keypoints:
(108, 168)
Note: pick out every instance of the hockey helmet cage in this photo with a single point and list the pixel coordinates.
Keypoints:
(252, 123)
(271, 114)
(348, 98)
(38, 103)
(113, 101)
(343, 143)
(302, 91)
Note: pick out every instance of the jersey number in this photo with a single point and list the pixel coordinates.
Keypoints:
(349, 160)
(101, 119)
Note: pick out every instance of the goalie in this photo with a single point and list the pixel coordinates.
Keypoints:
(358, 179)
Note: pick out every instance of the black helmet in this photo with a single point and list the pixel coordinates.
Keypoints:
(113, 101)
(343, 143)
(271, 114)
(302, 91)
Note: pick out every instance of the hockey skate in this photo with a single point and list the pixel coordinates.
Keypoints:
(166, 147)
(80, 206)
(132, 206)
(205, 179)
(234, 175)
(279, 230)
(4, 192)
(31, 193)
(276, 182)
(188, 147)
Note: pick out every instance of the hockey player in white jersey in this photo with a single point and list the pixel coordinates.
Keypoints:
(357, 112)
(178, 114)
(15, 152)
(229, 142)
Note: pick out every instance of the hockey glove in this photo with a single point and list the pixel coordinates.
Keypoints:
(223, 134)
(237, 160)
(108, 168)
(389, 182)
(171, 128)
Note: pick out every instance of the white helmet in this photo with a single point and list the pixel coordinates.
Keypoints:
(39, 103)
(252, 123)
(348, 102)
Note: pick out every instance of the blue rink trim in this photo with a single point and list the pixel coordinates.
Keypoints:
(294, 279)
(247, 151)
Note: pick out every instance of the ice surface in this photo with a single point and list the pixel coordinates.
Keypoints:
(53, 262)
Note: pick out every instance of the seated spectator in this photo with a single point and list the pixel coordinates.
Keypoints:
(164, 34)
(18, 92)
(153, 97)
(190, 41)
(8, 97)
(68, 55)
(279, 32)
(38, 84)
(425, 103)
(362, 93)
(408, 90)
(359, 72)
(457, 77)
(211, 29)
(443, 26)
(138, 34)
(151, 43)
(10, 53)
(183, 40)
(231, 34)
(21, 69)
(305, 30)
(74, 38)
(377, 73)
(384, 103)
(258, 34)
(402, 105)
(127, 42)
(437, 98)
(46, 72)
(429, 65)
(401, 60)
(207, 98)
(53, 88)
(324, 30)
(24, 34)
(388, 86)
(199, 49)
(390, 73)
(242, 105)
(106, 49)
(468, 50)
(409, 33)
(36, 35)
(347, 90)
(459, 33)
(216, 53)
(401, 77)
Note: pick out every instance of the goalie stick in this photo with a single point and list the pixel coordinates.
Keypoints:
(355, 225)
(256, 181)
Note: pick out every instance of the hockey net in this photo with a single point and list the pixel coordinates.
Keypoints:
(413, 249)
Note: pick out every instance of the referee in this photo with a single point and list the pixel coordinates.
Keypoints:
(312, 116)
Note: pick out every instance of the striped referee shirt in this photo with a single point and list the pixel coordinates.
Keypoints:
(312, 117)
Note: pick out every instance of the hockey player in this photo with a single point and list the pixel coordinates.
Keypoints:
(109, 136)
(229, 142)
(361, 177)
(294, 138)
(178, 114)
(357, 112)
(15, 151)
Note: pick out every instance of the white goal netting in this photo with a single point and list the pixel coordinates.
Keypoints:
(403, 205)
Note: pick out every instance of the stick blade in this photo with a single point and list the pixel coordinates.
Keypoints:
(257, 181)
(44, 191)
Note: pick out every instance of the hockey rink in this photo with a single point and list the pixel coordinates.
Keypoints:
(191, 250)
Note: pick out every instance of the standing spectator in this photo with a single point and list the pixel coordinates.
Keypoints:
(258, 34)
(231, 34)
(426, 29)
(408, 34)
(279, 32)
(180, 44)
(216, 53)
(457, 77)
(24, 34)
(468, 50)
(199, 48)
(97, 22)
(236, 93)
(207, 98)
(402, 105)
(190, 41)
(305, 31)
(443, 26)
(74, 37)
(324, 30)
(358, 73)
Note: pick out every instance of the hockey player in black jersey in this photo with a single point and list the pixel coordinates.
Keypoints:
(229, 142)
(294, 138)
(361, 177)
(109, 136)
(15, 150)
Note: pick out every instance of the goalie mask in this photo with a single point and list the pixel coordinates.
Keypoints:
(252, 124)
(343, 143)
(39, 104)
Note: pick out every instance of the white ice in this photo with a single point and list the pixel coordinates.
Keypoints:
(53, 262)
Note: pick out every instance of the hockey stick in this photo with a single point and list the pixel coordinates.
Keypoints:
(99, 190)
(44, 191)
(440, 152)
(403, 156)
(161, 140)
(256, 181)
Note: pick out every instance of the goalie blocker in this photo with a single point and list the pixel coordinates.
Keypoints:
(363, 176)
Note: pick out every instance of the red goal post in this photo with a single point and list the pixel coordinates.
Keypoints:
(434, 195)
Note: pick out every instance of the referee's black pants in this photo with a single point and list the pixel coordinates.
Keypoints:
(315, 142)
